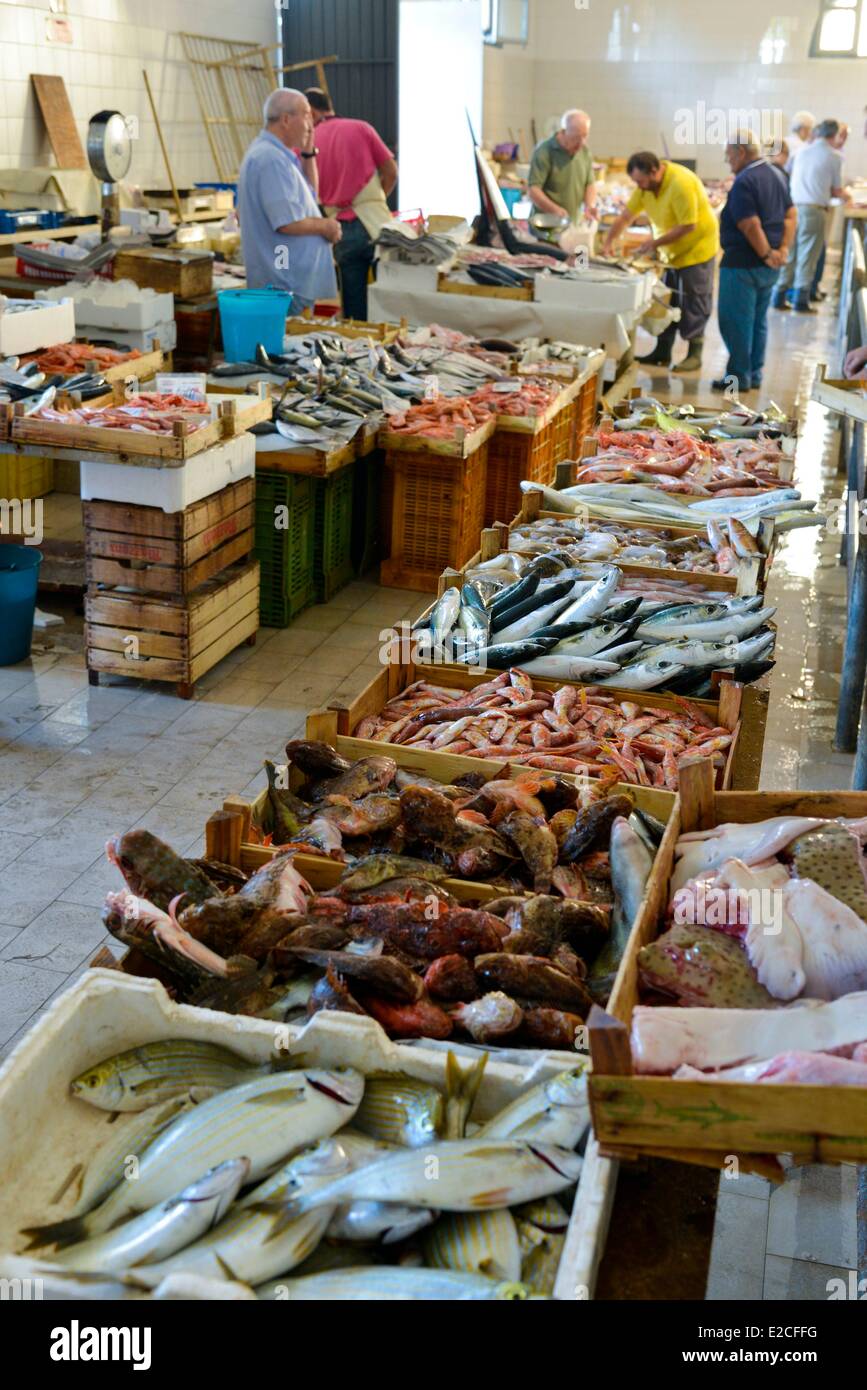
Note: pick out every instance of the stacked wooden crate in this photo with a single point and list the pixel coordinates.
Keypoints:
(171, 587)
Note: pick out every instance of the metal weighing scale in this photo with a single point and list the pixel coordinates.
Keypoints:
(109, 153)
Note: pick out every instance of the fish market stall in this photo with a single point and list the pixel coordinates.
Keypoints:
(730, 1069)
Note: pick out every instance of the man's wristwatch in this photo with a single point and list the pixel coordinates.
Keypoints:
(309, 154)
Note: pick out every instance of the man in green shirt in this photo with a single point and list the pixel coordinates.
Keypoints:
(561, 170)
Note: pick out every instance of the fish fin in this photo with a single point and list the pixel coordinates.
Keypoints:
(59, 1233)
(284, 1214)
(227, 1269)
(462, 1087)
(75, 1175)
(290, 1096)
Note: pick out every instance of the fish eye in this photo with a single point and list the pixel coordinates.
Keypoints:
(514, 1292)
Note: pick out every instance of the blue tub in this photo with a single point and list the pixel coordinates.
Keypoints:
(19, 576)
(248, 317)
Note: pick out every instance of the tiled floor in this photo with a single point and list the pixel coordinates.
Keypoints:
(78, 764)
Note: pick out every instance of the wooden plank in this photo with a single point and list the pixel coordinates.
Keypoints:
(446, 286)
(212, 597)
(463, 444)
(128, 612)
(161, 578)
(148, 669)
(242, 413)
(241, 607)
(56, 109)
(136, 520)
(223, 837)
(231, 639)
(117, 639)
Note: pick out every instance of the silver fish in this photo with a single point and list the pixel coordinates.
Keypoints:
(730, 625)
(631, 863)
(595, 599)
(594, 641)
(646, 674)
(525, 627)
(555, 1111)
(263, 1120)
(390, 1283)
(154, 1072)
(444, 613)
(158, 1233)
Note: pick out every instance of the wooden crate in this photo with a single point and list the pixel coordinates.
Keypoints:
(385, 333)
(437, 490)
(526, 448)
(742, 709)
(840, 394)
(171, 639)
(168, 553)
(230, 416)
(706, 1122)
(445, 285)
(186, 274)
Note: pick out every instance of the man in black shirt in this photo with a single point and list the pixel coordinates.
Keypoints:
(757, 227)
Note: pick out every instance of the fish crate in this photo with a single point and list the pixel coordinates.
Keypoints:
(46, 1130)
(586, 408)
(437, 489)
(705, 1122)
(185, 274)
(739, 708)
(285, 552)
(516, 456)
(230, 416)
(171, 639)
(168, 553)
(332, 532)
(366, 510)
(385, 333)
(23, 476)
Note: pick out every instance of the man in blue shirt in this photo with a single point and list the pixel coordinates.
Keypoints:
(286, 240)
(757, 227)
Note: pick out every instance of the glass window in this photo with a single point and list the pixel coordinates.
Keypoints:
(840, 31)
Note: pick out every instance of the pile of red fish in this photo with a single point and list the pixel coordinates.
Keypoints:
(70, 358)
(681, 462)
(574, 729)
(149, 412)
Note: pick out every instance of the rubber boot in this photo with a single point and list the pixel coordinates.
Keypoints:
(801, 303)
(692, 361)
(661, 354)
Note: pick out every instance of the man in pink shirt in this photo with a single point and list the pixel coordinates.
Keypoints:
(357, 171)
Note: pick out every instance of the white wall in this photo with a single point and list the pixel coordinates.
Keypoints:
(112, 41)
(634, 65)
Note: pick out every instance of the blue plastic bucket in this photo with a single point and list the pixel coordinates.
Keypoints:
(248, 317)
(19, 575)
(511, 196)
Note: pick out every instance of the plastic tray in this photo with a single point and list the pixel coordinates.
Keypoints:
(285, 554)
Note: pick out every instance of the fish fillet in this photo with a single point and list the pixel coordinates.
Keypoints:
(664, 1038)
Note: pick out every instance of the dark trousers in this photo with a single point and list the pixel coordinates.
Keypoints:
(692, 288)
(354, 256)
(742, 309)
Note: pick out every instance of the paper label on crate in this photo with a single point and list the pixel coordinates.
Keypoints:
(192, 385)
(508, 387)
(432, 387)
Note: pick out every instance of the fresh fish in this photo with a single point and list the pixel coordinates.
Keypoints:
(474, 627)
(277, 884)
(743, 543)
(152, 870)
(241, 1243)
(536, 845)
(700, 851)
(592, 826)
(390, 1283)
(399, 1109)
(532, 977)
(555, 1111)
(126, 1136)
(362, 778)
(160, 1232)
(263, 1120)
(563, 667)
(542, 1230)
(631, 863)
(478, 1242)
(472, 597)
(701, 966)
(832, 857)
(595, 640)
(731, 625)
(444, 614)
(155, 1072)
(554, 600)
(283, 812)
(490, 1019)
(502, 655)
(594, 600)
(644, 674)
(378, 868)
(315, 759)
(470, 1175)
(384, 975)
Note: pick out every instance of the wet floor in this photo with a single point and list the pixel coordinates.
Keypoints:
(78, 764)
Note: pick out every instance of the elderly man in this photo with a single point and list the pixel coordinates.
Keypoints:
(757, 227)
(685, 233)
(817, 177)
(561, 170)
(286, 240)
(801, 133)
(357, 171)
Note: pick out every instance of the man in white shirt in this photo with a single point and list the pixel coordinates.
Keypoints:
(800, 133)
(817, 177)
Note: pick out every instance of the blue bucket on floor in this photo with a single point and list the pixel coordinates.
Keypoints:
(248, 317)
(19, 575)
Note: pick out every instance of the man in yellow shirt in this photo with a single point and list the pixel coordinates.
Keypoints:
(686, 236)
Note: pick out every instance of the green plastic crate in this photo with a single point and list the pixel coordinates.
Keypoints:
(332, 532)
(366, 506)
(285, 553)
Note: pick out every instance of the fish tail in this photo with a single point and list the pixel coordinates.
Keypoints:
(462, 1087)
(59, 1233)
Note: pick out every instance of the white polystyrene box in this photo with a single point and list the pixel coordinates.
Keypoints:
(625, 293)
(28, 325)
(45, 1131)
(138, 313)
(171, 488)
